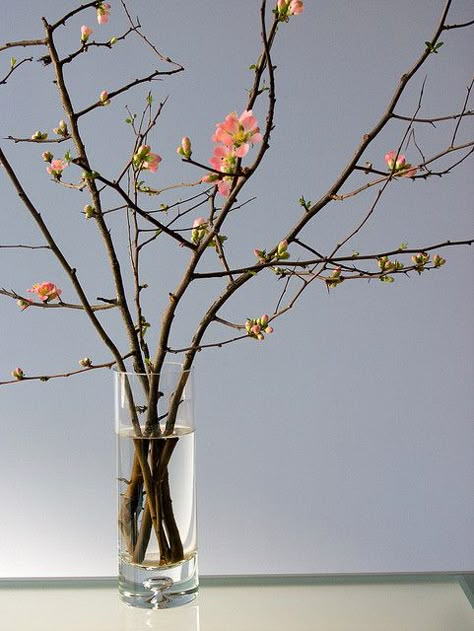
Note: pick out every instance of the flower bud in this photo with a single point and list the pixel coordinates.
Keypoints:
(61, 129)
(38, 135)
(47, 156)
(104, 98)
(86, 32)
(113, 40)
(23, 304)
(89, 211)
(438, 260)
(185, 148)
(85, 362)
(17, 374)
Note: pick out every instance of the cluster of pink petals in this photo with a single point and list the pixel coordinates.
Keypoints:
(103, 13)
(224, 159)
(56, 167)
(398, 164)
(45, 291)
(145, 159)
(238, 132)
(290, 7)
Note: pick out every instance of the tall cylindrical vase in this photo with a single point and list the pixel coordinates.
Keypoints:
(157, 548)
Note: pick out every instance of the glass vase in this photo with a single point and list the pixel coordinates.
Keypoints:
(157, 548)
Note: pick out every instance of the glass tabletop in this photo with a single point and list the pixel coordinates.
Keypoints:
(420, 602)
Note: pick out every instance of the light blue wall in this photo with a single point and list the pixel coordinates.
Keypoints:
(343, 443)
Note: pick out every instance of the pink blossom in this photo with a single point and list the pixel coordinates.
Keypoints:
(145, 159)
(224, 159)
(45, 291)
(103, 13)
(224, 187)
(238, 133)
(289, 7)
(56, 168)
(86, 31)
(151, 162)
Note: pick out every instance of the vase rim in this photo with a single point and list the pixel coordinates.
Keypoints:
(175, 365)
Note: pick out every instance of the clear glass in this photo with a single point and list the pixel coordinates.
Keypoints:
(157, 547)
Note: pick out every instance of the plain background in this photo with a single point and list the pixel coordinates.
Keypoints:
(343, 443)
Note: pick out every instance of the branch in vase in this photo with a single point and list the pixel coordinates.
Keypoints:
(44, 378)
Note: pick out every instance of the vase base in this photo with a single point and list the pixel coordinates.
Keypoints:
(155, 587)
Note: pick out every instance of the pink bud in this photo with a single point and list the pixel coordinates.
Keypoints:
(104, 97)
(86, 32)
(17, 374)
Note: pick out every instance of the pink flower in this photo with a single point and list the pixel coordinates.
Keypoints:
(224, 187)
(45, 291)
(56, 168)
(103, 13)
(289, 7)
(17, 373)
(86, 31)
(224, 159)
(238, 133)
(145, 159)
(151, 162)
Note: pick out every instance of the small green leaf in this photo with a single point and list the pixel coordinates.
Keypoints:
(12, 62)
(403, 245)
(253, 67)
(149, 98)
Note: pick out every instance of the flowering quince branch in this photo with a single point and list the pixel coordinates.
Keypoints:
(240, 143)
(19, 375)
